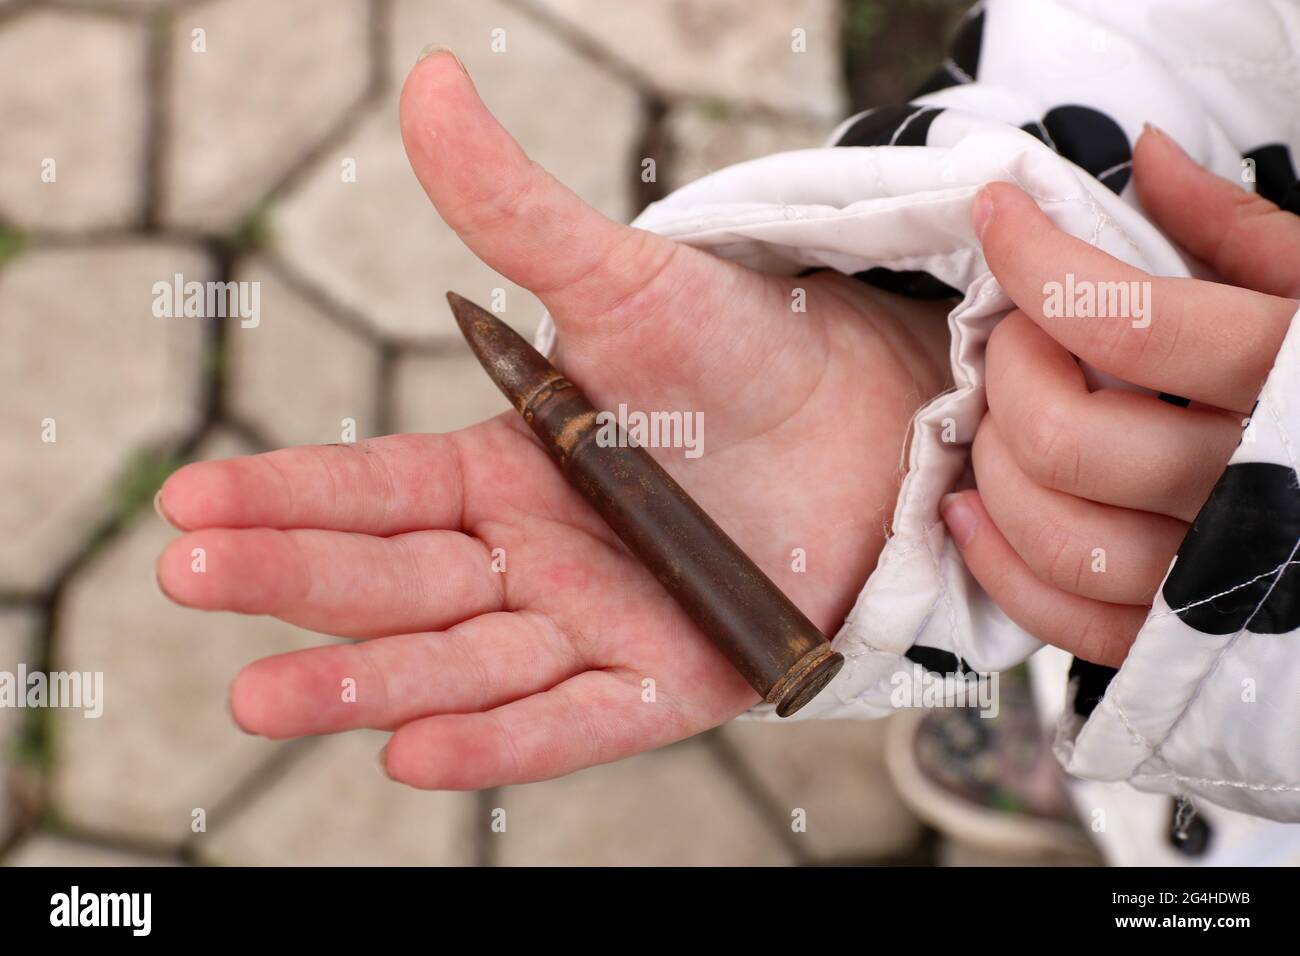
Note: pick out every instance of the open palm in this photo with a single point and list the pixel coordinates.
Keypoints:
(487, 676)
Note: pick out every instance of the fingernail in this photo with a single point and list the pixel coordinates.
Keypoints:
(959, 517)
(1160, 134)
(383, 761)
(433, 48)
(982, 211)
(158, 508)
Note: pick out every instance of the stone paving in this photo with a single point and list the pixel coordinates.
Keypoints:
(244, 140)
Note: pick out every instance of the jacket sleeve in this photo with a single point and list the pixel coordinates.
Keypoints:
(1050, 95)
(1207, 703)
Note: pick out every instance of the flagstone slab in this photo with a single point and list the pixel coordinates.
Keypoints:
(255, 87)
(359, 226)
(73, 110)
(444, 393)
(17, 648)
(336, 808)
(89, 378)
(44, 849)
(671, 807)
(297, 374)
(709, 137)
(783, 54)
(165, 745)
(834, 772)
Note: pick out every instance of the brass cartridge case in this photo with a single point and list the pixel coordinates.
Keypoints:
(770, 642)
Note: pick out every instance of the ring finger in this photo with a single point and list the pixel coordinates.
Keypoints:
(1098, 551)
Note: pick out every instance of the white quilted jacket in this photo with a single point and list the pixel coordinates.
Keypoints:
(1050, 94)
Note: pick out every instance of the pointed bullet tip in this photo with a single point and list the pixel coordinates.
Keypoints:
(516, 367)
(461, 308)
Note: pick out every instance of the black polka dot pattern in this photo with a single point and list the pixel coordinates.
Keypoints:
(905, 125)
(936, 660)
(1191, 838)
(1232, 571)
(1090, 139)
(1091, 683)
(1085, 136)
(1275, 175)
(963, 63)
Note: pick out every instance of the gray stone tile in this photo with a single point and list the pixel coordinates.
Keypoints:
(955, 853)
(84, 350)
(45, 849)
(835, 772)
(17, 647)
(709, 137)
(297, 374)
(672, 807)
(165, 744)
(730, 49)
(571, 116)
(274, 79)
(72, 93)
(377, 245)
(129, 5)
(336, 808)
(444, 393)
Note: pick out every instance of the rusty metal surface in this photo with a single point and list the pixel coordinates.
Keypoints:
(779, 651)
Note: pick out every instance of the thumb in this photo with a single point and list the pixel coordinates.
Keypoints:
(510, 212)
(1246, 239)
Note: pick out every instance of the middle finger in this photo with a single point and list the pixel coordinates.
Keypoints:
(1098, 551)
(1111, 446)
(335, 582)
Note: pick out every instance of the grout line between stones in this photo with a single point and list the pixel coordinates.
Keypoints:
(586, 46)
(157, 95)
(607, 59)
(344, 316)
(380, 12)
(485, 847)
(386, 388)
(160, 852)
(756, 794)
(248, 790)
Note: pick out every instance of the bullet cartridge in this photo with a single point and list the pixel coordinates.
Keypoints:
(770, 642)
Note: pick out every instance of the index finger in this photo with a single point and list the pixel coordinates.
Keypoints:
(1211, 343)
(383, 486)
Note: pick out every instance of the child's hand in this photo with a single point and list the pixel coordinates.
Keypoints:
(1062, 471)
(492, 678)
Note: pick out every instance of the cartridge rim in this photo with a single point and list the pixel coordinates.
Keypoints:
(805, 680)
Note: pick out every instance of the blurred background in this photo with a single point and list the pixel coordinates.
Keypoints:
(257, 140)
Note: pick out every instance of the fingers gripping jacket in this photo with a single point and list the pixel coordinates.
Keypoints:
(768, 640)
